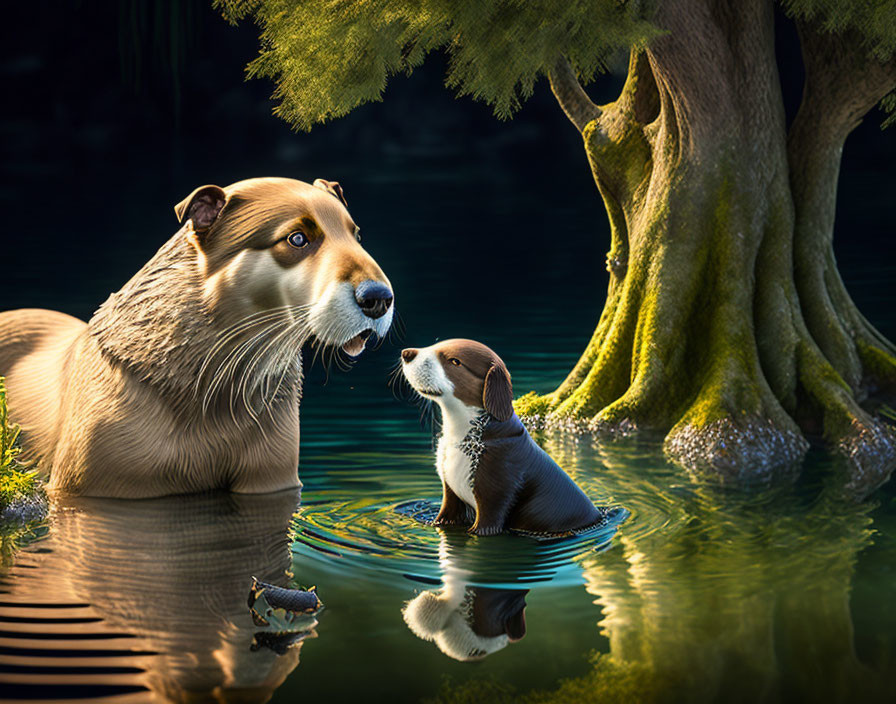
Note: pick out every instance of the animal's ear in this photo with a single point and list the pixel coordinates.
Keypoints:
(331, 187)
(497, 394)
(202, 206)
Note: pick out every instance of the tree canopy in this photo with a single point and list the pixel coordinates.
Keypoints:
(330, 56)
(327, 57)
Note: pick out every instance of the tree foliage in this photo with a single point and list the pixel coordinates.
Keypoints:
(330, 56)
(870, 22)
(327, 57)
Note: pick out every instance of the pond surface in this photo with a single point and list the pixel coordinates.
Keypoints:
(701, 595)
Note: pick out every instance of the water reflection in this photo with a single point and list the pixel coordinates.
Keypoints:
(725, 596)
(466, 620)
(741, 603)
(129, 596)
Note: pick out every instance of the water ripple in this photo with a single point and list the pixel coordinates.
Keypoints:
(386, 533)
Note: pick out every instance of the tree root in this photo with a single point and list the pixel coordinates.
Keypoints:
(869, 451)
(865, 445)
(879, 366)
(745, 449)
(734, 429)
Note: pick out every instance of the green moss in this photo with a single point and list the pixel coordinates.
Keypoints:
(825, 394)
(586, 362)
(610, 374)
(531, 404)
(690, 309)
(619, 153)
(15, 484)
(878, 364)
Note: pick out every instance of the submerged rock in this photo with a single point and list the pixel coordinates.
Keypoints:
(24, 509)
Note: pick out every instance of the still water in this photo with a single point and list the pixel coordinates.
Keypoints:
(701, 594)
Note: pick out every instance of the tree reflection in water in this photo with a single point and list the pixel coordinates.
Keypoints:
(740, 596)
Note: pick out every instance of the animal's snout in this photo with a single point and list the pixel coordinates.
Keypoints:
(408, 355)
(374, 298)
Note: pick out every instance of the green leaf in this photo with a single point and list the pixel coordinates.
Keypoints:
(328, 57)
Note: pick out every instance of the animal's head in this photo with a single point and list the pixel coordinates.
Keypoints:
(269, 244)
(460, 371)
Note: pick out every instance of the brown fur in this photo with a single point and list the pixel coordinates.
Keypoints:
(516, 485)
(480, 376)
(126, 405)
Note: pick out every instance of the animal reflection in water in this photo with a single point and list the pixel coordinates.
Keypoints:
(151, 595)
(466, 620)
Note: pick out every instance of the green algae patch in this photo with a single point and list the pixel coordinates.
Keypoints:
(23, 500)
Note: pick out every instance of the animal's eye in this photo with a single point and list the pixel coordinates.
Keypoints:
(455, 361)
(297, 239)
(358, 234)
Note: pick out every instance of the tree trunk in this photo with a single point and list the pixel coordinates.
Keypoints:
(726, 324)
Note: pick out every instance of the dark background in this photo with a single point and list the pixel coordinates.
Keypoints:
(115, 111)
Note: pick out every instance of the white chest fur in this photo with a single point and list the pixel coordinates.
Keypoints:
(456, 471)
(454, 466)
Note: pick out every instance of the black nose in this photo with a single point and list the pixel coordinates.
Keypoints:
(374, 298)
(408, 354)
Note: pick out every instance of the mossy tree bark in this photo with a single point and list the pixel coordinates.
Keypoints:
(726, 324)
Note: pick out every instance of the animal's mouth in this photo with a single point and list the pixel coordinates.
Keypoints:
(355, 346)
(411, 375)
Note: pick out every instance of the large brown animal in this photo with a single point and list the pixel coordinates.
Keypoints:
(189, 378)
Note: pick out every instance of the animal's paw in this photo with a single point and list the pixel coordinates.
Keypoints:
(483, 531)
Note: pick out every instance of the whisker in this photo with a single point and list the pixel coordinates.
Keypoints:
(232, 332)
(272, 319)
(284, 357)
(234, 366)
(249, 372)
(398, 327)
(249, 381)
(398, 384)
(279, 350)
(316, 346)
(220, 345)
(228, 364)
(298, 342)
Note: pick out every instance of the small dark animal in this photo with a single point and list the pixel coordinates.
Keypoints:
(264, 597)
(493, 474)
